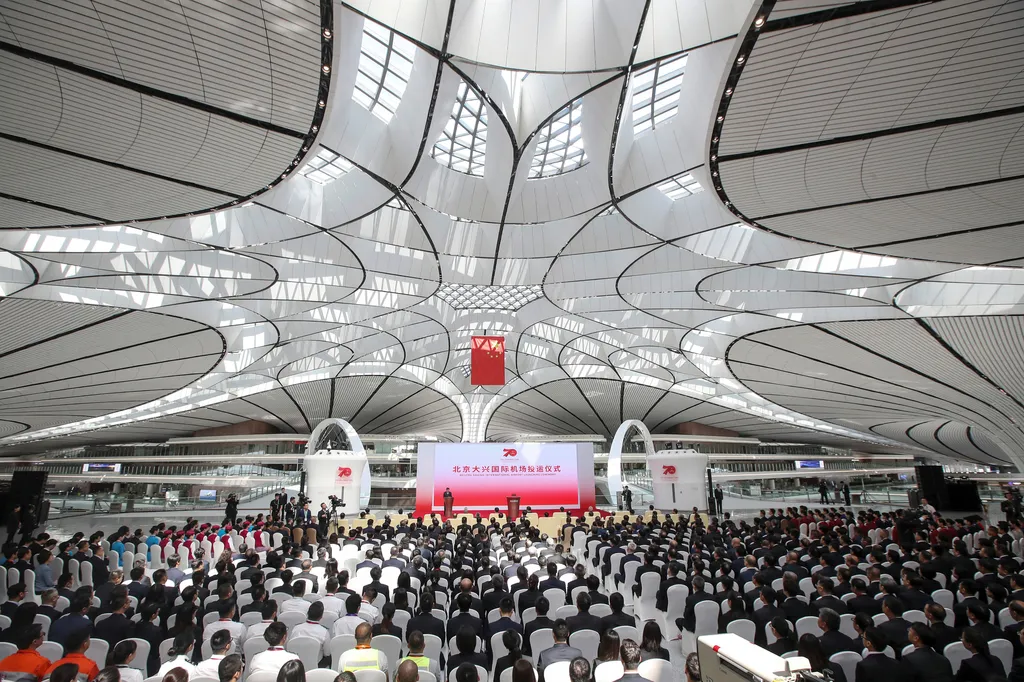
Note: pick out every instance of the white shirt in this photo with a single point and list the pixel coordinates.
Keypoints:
(346, 625)
(271, 660)
(177, 662)
(333, 604)
(369, 613)
(207, 668)
(257, 629)
(129, 674)
(295, 604)
(237, 630)
(311, 629)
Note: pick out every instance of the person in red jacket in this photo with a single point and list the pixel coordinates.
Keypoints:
(75, 646)
(26, 663)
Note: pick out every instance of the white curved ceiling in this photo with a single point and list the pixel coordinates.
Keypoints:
(795, 220)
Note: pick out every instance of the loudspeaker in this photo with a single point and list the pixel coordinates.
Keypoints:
(27, 488)
(963, 496)
(932, 483)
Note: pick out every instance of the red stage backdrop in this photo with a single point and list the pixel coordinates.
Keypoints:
(481, 475)
(487, 361)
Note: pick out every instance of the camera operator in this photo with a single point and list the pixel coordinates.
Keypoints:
(323, 520)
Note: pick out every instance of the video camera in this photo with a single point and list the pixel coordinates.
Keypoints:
(335, 501)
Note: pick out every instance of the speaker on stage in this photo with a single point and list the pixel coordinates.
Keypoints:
(27, 488)
(932, 483)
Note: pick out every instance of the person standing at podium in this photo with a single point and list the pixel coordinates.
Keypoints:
(449, 501)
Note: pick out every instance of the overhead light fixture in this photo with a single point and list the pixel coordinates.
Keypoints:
(482, 297)
(759, 22)
(326, 68)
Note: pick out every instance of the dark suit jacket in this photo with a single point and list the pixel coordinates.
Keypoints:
(979, 669)
(926, 665)
(598, 598)
(114, 628)
(464, 620)
(896, 632)
(428, 625)
(796, 609)
(915, 599)
(834, 642)
(1016, 670)
(614, 620)
(585, 621)
(761, 617)
(829, 602)
(876, 667)
(538, 623)
(944, 634)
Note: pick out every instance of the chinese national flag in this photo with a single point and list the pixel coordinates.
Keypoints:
(487, 361)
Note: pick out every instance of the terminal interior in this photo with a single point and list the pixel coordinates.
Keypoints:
(784, 235)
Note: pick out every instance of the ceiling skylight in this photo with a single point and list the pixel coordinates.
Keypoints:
(481, 297)
(560, 144)
(656, 92)
(325, 167)
(463, 142)
(680, 186)
(385, 62)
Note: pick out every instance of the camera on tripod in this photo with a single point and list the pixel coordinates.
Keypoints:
(335, 501)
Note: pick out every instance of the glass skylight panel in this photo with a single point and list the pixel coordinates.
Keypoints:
(385, 62)
(325, 167)
(560, 144)
(656, 92)
(680, 186)
(463, 143)
(482, 297)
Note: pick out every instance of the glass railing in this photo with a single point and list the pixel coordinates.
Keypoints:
(66, 504)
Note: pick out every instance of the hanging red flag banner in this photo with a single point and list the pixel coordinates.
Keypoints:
(487, 361)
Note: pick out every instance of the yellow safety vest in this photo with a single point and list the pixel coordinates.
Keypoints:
(361, 659)
(422, 662)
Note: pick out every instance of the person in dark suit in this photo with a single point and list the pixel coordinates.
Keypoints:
(541, 622)
(1012, 631)
(944, 634)
(465, 644)
(924, 664)
(1017, 667)
(593, 587)
(982, 666)
(425, 621)
(785, 638)
(465, 619)
(507, 611)
(736, 611)
(116, 626)
(826, 600)
(617, 617)
(148, 628)
(584, 620)
(832, 640)
(688, 621)
(863, 602)
(48, 607)
(912, 596)
(895, 629)
(764, 615)
(876, 665)
(672, 571)
(100, 567)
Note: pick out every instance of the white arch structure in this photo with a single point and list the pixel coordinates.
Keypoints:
(324, 468)
(615, 453)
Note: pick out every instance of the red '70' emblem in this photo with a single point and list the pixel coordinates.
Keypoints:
(344, 472)
(510, 452)
(668, 469)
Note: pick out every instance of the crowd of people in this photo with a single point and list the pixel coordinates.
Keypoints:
(466, 599)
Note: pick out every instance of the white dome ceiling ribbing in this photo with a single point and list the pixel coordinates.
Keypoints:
(551, 172)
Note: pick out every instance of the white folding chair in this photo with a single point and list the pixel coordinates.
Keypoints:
(1003, 650)
(657, 670)
(307, 649)
(956, 653)
(743, 627)
(586, 641)
(557, 672)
